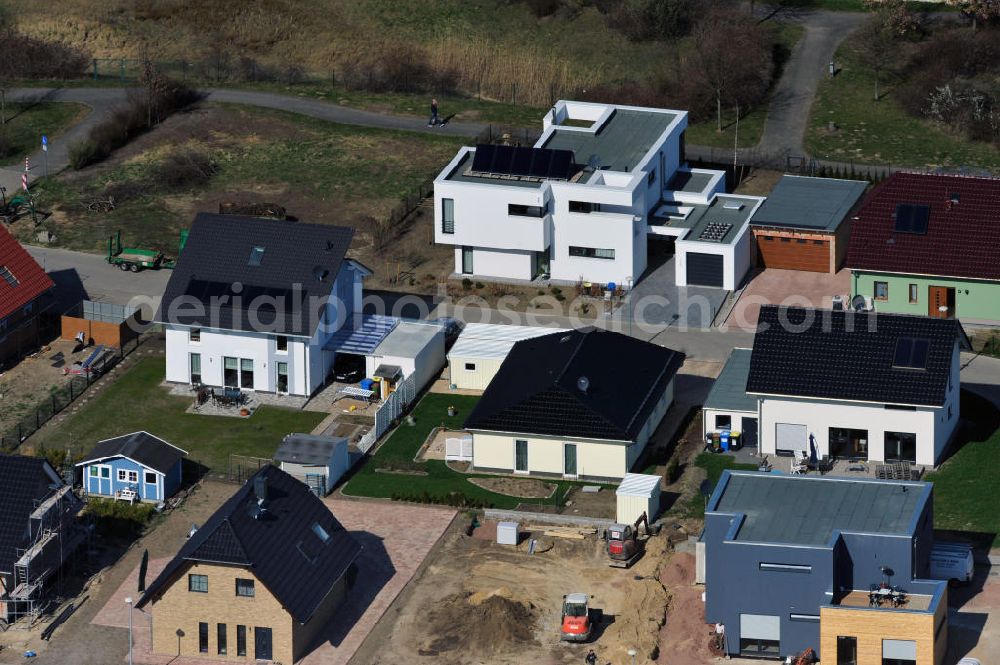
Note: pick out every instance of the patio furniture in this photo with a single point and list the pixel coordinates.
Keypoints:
(126, 494)
(357, 393)
(894, 471)
(229, 397)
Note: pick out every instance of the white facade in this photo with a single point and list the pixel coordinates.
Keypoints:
(481, 348)
(259, 356)
(509, 228)
(709, 422)
(800, 418)
(416, 348)
(546, 455)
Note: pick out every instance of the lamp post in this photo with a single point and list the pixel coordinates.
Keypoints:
(128, 601)
(632, 653)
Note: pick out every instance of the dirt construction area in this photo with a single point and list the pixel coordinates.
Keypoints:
(479, 602)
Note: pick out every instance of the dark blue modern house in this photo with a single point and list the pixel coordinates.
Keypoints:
(799, 562)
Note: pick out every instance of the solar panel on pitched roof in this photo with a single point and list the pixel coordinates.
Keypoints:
(911, 353)
(483, 158)
(911, 218)
(521, 165)
(562, 162)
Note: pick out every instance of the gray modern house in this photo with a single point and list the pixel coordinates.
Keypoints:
(798, 562)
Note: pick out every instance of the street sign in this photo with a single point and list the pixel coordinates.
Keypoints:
(45, 142)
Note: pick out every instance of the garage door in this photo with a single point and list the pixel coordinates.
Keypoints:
(794, 253)
(704, 269)
(790, 437)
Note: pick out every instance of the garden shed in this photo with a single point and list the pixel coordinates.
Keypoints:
(637, 493)
(317, 461)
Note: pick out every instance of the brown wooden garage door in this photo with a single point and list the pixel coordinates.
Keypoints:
(794, 253)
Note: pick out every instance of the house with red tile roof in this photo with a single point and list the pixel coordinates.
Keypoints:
(23, 287)
(929, 244)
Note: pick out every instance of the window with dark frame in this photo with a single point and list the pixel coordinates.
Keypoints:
(881, 291)
(256, 256)
(520, 455)
(582, 206)
(195, 335)
(847, 650)
(470, 367)
(723, 422)
(221, 639)
(591, 252)
(241, 640)
(150, 478)
(198, 583)
(281, 343)
(203, 637)
(448, 216)
(518, 210)
(244, 587)
(914, 292)
(195, 368)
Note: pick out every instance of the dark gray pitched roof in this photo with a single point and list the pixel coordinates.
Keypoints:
(535, 390)
(849, 356)
(729, 391)
(23, 482)
(298, 262)
(806, 510)
(280, 547)
(142, 447)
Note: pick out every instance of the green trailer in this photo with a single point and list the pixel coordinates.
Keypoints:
(136, 258)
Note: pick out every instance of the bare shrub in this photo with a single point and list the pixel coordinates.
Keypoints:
(184, 167)
(23, 57)
(380, 229)
(542, 8)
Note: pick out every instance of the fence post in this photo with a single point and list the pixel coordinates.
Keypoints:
(95, 68)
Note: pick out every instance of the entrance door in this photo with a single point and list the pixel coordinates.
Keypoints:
(941, 302)
(748, 432)
(262, 643)
(246, 373)
(569, 459)
(282, 379)
(230, 372)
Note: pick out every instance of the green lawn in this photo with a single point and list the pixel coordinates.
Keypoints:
(25, 124)
(714, 464)
(136, 401)
(882, 132)
(965, 485)
(440, 482)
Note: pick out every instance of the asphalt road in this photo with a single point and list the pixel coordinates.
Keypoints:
(788, 115)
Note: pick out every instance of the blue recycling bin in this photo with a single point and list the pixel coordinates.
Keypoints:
(724, 439)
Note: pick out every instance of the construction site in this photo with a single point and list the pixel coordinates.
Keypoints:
(51, 535)
(478, 601)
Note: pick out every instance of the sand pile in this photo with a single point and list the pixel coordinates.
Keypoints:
(481, 623)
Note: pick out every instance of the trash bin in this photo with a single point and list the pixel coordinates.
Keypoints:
(724, 439)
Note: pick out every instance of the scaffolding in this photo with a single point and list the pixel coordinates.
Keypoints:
(53, 536)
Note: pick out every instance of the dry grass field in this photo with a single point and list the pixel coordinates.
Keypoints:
(495, 47)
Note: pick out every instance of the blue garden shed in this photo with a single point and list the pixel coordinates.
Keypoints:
(137, 465)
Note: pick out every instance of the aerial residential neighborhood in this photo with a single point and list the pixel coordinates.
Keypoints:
(617, 332)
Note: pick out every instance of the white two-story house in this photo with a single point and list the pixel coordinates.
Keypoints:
(582, 203)
(856, 385)
(252, 302)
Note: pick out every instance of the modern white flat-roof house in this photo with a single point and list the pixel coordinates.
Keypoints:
(253, 302)
(583, 201)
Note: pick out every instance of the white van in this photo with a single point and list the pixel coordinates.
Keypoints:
(952, 562)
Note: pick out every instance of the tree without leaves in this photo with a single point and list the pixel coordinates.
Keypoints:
(730, 58)
(979, 10)
(877, 41)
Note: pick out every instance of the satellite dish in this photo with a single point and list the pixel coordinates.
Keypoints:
(582, 384)
(858, 303)
(320, 273)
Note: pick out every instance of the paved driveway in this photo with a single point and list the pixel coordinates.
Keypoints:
(786, 287)
(396, 537)
(657, 300)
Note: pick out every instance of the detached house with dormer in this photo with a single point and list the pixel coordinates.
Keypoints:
(253, 303)
(856, 385)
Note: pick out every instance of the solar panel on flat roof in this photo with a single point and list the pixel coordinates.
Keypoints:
(502, 157)
(562, 164)
(483, 158)
(540, 162)
(912, 218)
(911, 353)
(521, 165)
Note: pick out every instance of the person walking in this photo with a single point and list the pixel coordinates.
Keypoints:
(434, 114)
(591, 658)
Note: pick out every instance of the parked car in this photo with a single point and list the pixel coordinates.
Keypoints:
(952, 562)
(348, 368)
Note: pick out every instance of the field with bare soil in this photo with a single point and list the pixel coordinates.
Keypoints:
(479, 602)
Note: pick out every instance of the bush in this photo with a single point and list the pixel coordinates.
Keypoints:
(118, 518)
(673, 470)
(466, 283)
(646, 20)
(542, 8)
(184, 167)
(83, 153)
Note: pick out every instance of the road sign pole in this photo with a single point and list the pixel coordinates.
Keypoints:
(45, 151)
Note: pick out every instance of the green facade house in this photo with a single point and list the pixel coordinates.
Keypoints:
(929, 244)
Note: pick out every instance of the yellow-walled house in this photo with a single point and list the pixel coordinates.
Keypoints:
(573, 404)
(260, 581)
